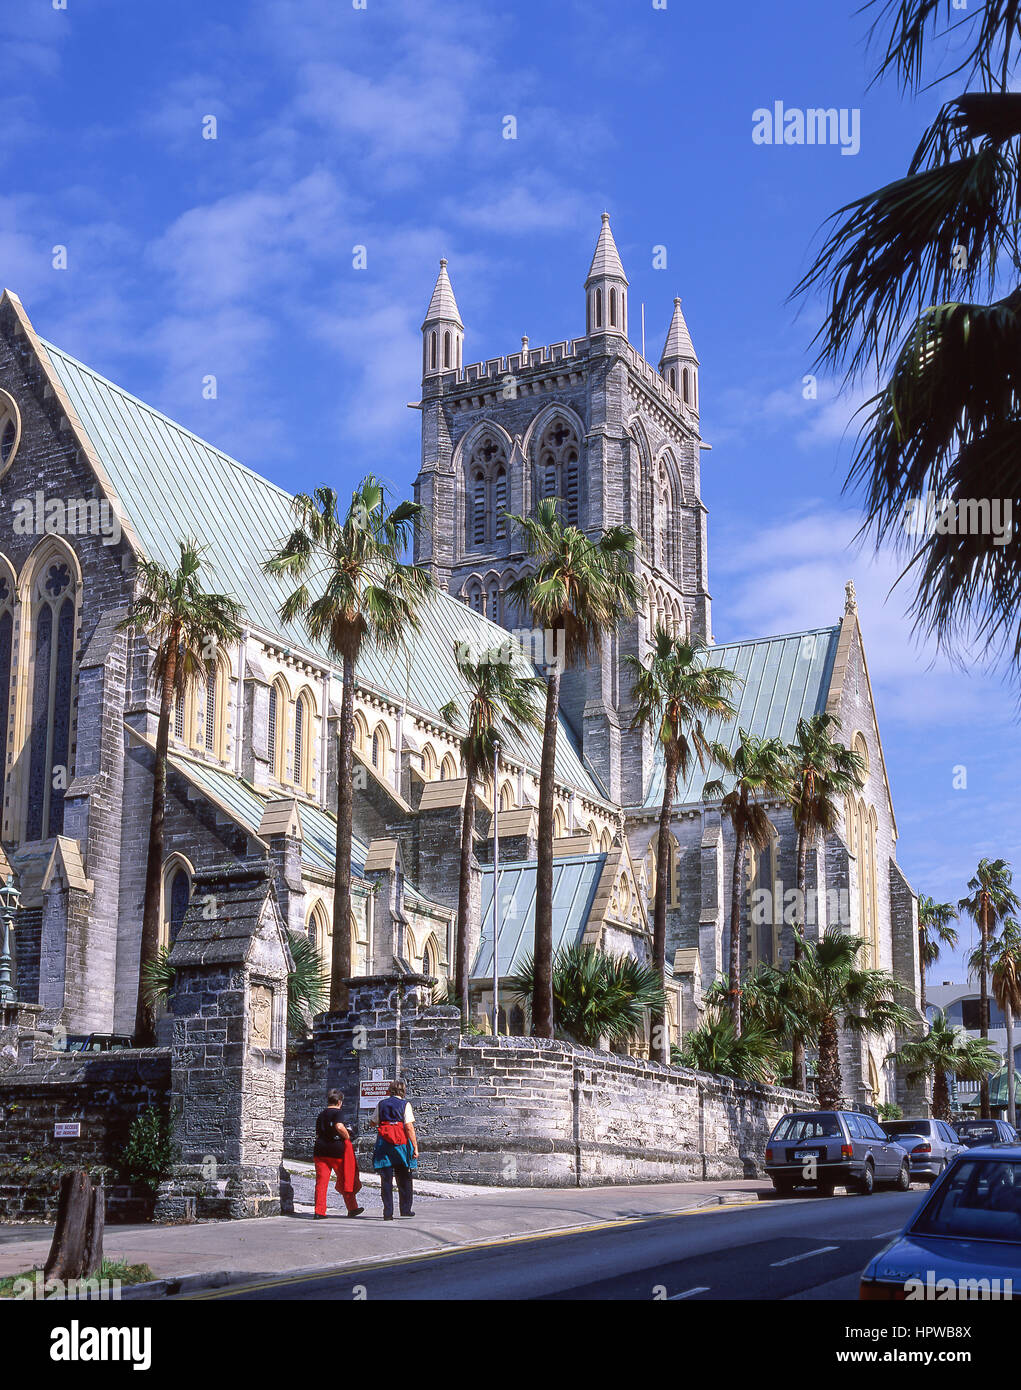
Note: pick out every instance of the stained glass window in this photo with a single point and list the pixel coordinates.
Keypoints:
(180, 894)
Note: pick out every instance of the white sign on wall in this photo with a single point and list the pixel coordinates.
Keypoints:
(371, 1093)
(67, 1129)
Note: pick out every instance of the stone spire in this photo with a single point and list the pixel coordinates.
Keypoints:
(606, 287)
(678, 366)
(442, 329)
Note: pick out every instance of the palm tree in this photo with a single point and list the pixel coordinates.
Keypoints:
(186, 626)
(597, 998)
(760, 771)
(946, 425)
(502, 702)
(754, 1054)
(834, 989)
(353, 587)
(675, 690)
(1005, 976)
(578, 591)
(822, 770)
(934, 932)
(946, 1051)
(991, 902)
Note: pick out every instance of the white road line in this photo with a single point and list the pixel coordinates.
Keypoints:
(885, 1235)
(702, 1288)
(793, 1259)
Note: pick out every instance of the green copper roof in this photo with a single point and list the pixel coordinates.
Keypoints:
(782, 678)
(172, 484)
(575, 879)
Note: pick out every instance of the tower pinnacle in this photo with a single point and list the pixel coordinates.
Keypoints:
(606, 287)
(442, 329)
(678, 365)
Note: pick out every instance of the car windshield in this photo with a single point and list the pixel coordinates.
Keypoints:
(794, 1128)
(981, 1200)
(895, 1127)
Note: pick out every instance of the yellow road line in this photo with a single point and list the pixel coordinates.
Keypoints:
(495, 1243)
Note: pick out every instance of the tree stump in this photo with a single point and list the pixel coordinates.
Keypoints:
(77, 1248)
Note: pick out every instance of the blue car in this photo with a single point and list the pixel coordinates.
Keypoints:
(964, 1241)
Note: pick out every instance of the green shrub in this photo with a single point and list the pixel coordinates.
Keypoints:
(150, 1151)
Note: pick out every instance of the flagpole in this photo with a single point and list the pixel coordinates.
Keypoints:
(496, 890)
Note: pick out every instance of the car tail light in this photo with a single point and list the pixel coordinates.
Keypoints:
(847, 1151)
(875, 1291)
(922, 1149)
(769, 1155)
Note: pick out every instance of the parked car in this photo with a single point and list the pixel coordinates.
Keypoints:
(96, 1042)
(974, 1132)
(931, 1145)
(964, 1240)
(827, 1148)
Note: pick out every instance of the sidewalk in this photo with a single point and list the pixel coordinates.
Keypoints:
(447, 1216)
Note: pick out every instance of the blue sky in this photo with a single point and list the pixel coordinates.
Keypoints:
(383, 127)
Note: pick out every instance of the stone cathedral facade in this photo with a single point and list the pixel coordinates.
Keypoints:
(92, 479)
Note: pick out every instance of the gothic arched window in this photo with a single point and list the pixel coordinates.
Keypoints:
(7, 599)
(52, 688)
(687, 395)
(487, 490)
(176, 897)
(9, 428)
(613, 308)
(558, 464)
(493, 602)
(303, 742)
(599, 308)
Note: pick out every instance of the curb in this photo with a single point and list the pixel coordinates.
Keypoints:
(184, 1285)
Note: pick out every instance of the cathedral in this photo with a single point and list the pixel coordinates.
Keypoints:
(93, 479)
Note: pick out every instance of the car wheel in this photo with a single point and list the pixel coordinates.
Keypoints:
(867, 1182)
(903, 1183)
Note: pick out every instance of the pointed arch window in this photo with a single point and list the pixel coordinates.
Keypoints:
(446, 348)
(10, 428)
(271, 726)
(487, 489)
(302, 740)
(613, 308)
(210, 712)
(53, 675)
(599, 308)
(558, 453)
(478, 509)
(432, 349)
(687, 389)
(7, 600)
(176, 897)
(493, 603)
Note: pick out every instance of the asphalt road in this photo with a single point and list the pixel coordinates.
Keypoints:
(807, 1247)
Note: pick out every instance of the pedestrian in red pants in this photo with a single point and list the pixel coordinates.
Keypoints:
(334, 1154)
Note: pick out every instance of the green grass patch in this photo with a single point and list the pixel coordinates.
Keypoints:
(110, 1270)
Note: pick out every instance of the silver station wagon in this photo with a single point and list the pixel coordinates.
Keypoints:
(824, 1149)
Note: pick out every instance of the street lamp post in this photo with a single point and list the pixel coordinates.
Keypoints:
(10, 900)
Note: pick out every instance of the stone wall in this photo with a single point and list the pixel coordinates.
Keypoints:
(103, 1092)
(525, 1112)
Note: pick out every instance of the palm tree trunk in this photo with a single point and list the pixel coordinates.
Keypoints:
(542, 987)
(340, 965)
(461, 965)
(984, 1002)
(145, 1027)
(1008, 1013)
(922, 1001)
(799, 1070)
(735, 929)
(830, 1080)
(659, 1031)
(940, 1095)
